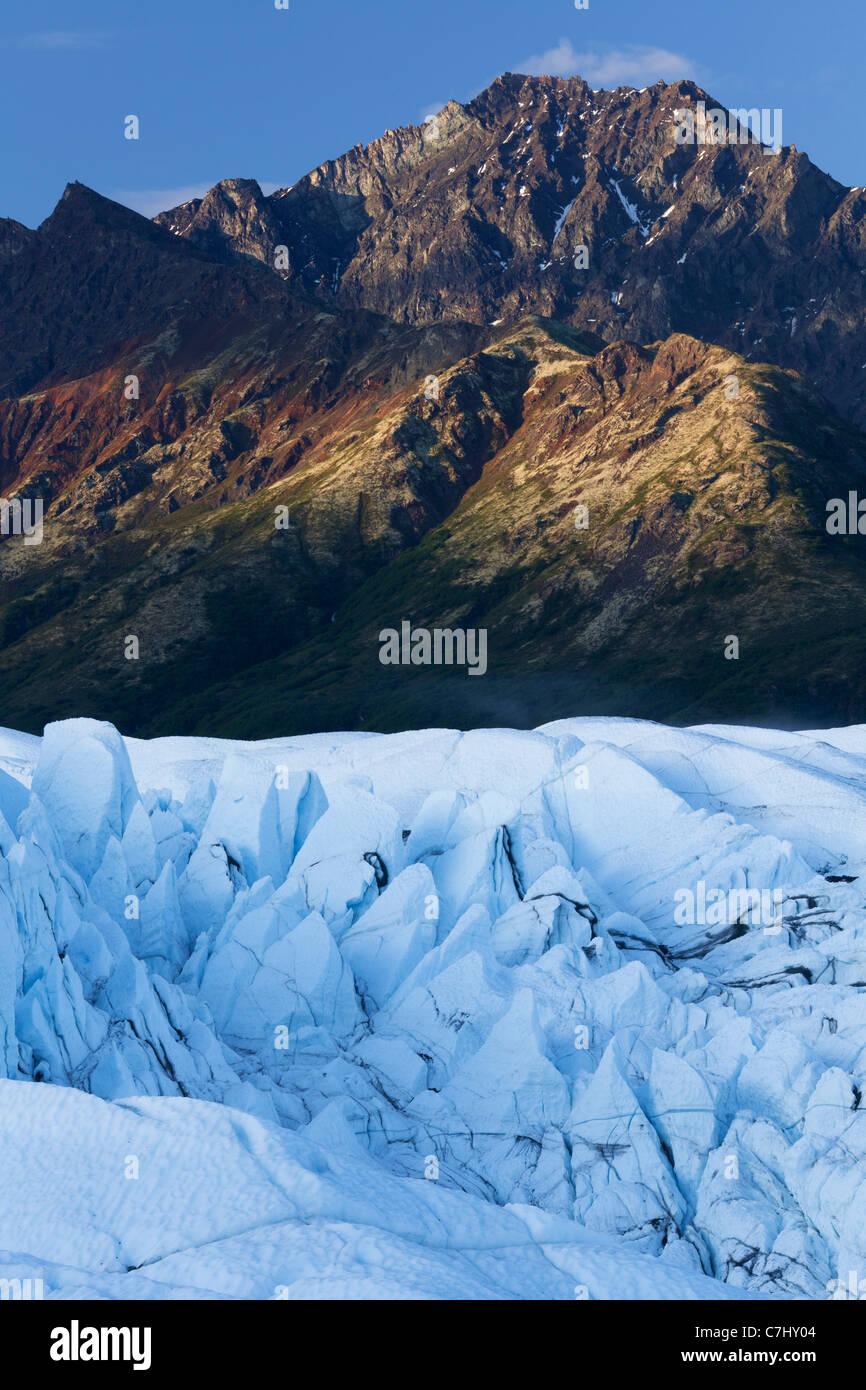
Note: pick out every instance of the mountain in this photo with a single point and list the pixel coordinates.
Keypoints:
(479, 216)
(254, 474)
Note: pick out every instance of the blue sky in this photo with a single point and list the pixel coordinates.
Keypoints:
(236, 88)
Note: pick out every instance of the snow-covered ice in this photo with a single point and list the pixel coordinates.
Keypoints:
(568, 1013)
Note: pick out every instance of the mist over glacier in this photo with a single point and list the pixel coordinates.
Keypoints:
(416, 1015)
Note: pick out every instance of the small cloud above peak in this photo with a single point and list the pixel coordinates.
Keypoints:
(428, 112)
(150, 201)
(633, 66)
(58, 40)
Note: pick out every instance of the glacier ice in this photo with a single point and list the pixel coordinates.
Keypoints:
(415, 1016)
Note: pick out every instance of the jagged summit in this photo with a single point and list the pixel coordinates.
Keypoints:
(481, 214)
(80, 207)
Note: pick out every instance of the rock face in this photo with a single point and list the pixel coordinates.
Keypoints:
(480, 214)
(608, 517)
(254, 471)
(567, 1013)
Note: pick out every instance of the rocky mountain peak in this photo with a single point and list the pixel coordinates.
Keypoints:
(543, 195)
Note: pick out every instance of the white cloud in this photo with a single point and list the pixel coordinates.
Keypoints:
(60, 40)
(635, 66)
(429, 112)
(150, 201)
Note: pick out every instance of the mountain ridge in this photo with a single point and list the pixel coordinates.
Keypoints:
(253, 473)
(720, 241)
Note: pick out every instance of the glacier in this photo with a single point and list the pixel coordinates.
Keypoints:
(368, 1016)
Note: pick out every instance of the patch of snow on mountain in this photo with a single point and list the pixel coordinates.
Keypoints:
(561, 219)
(630, 209)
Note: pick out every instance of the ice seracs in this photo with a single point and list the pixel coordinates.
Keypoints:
(431, 991)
